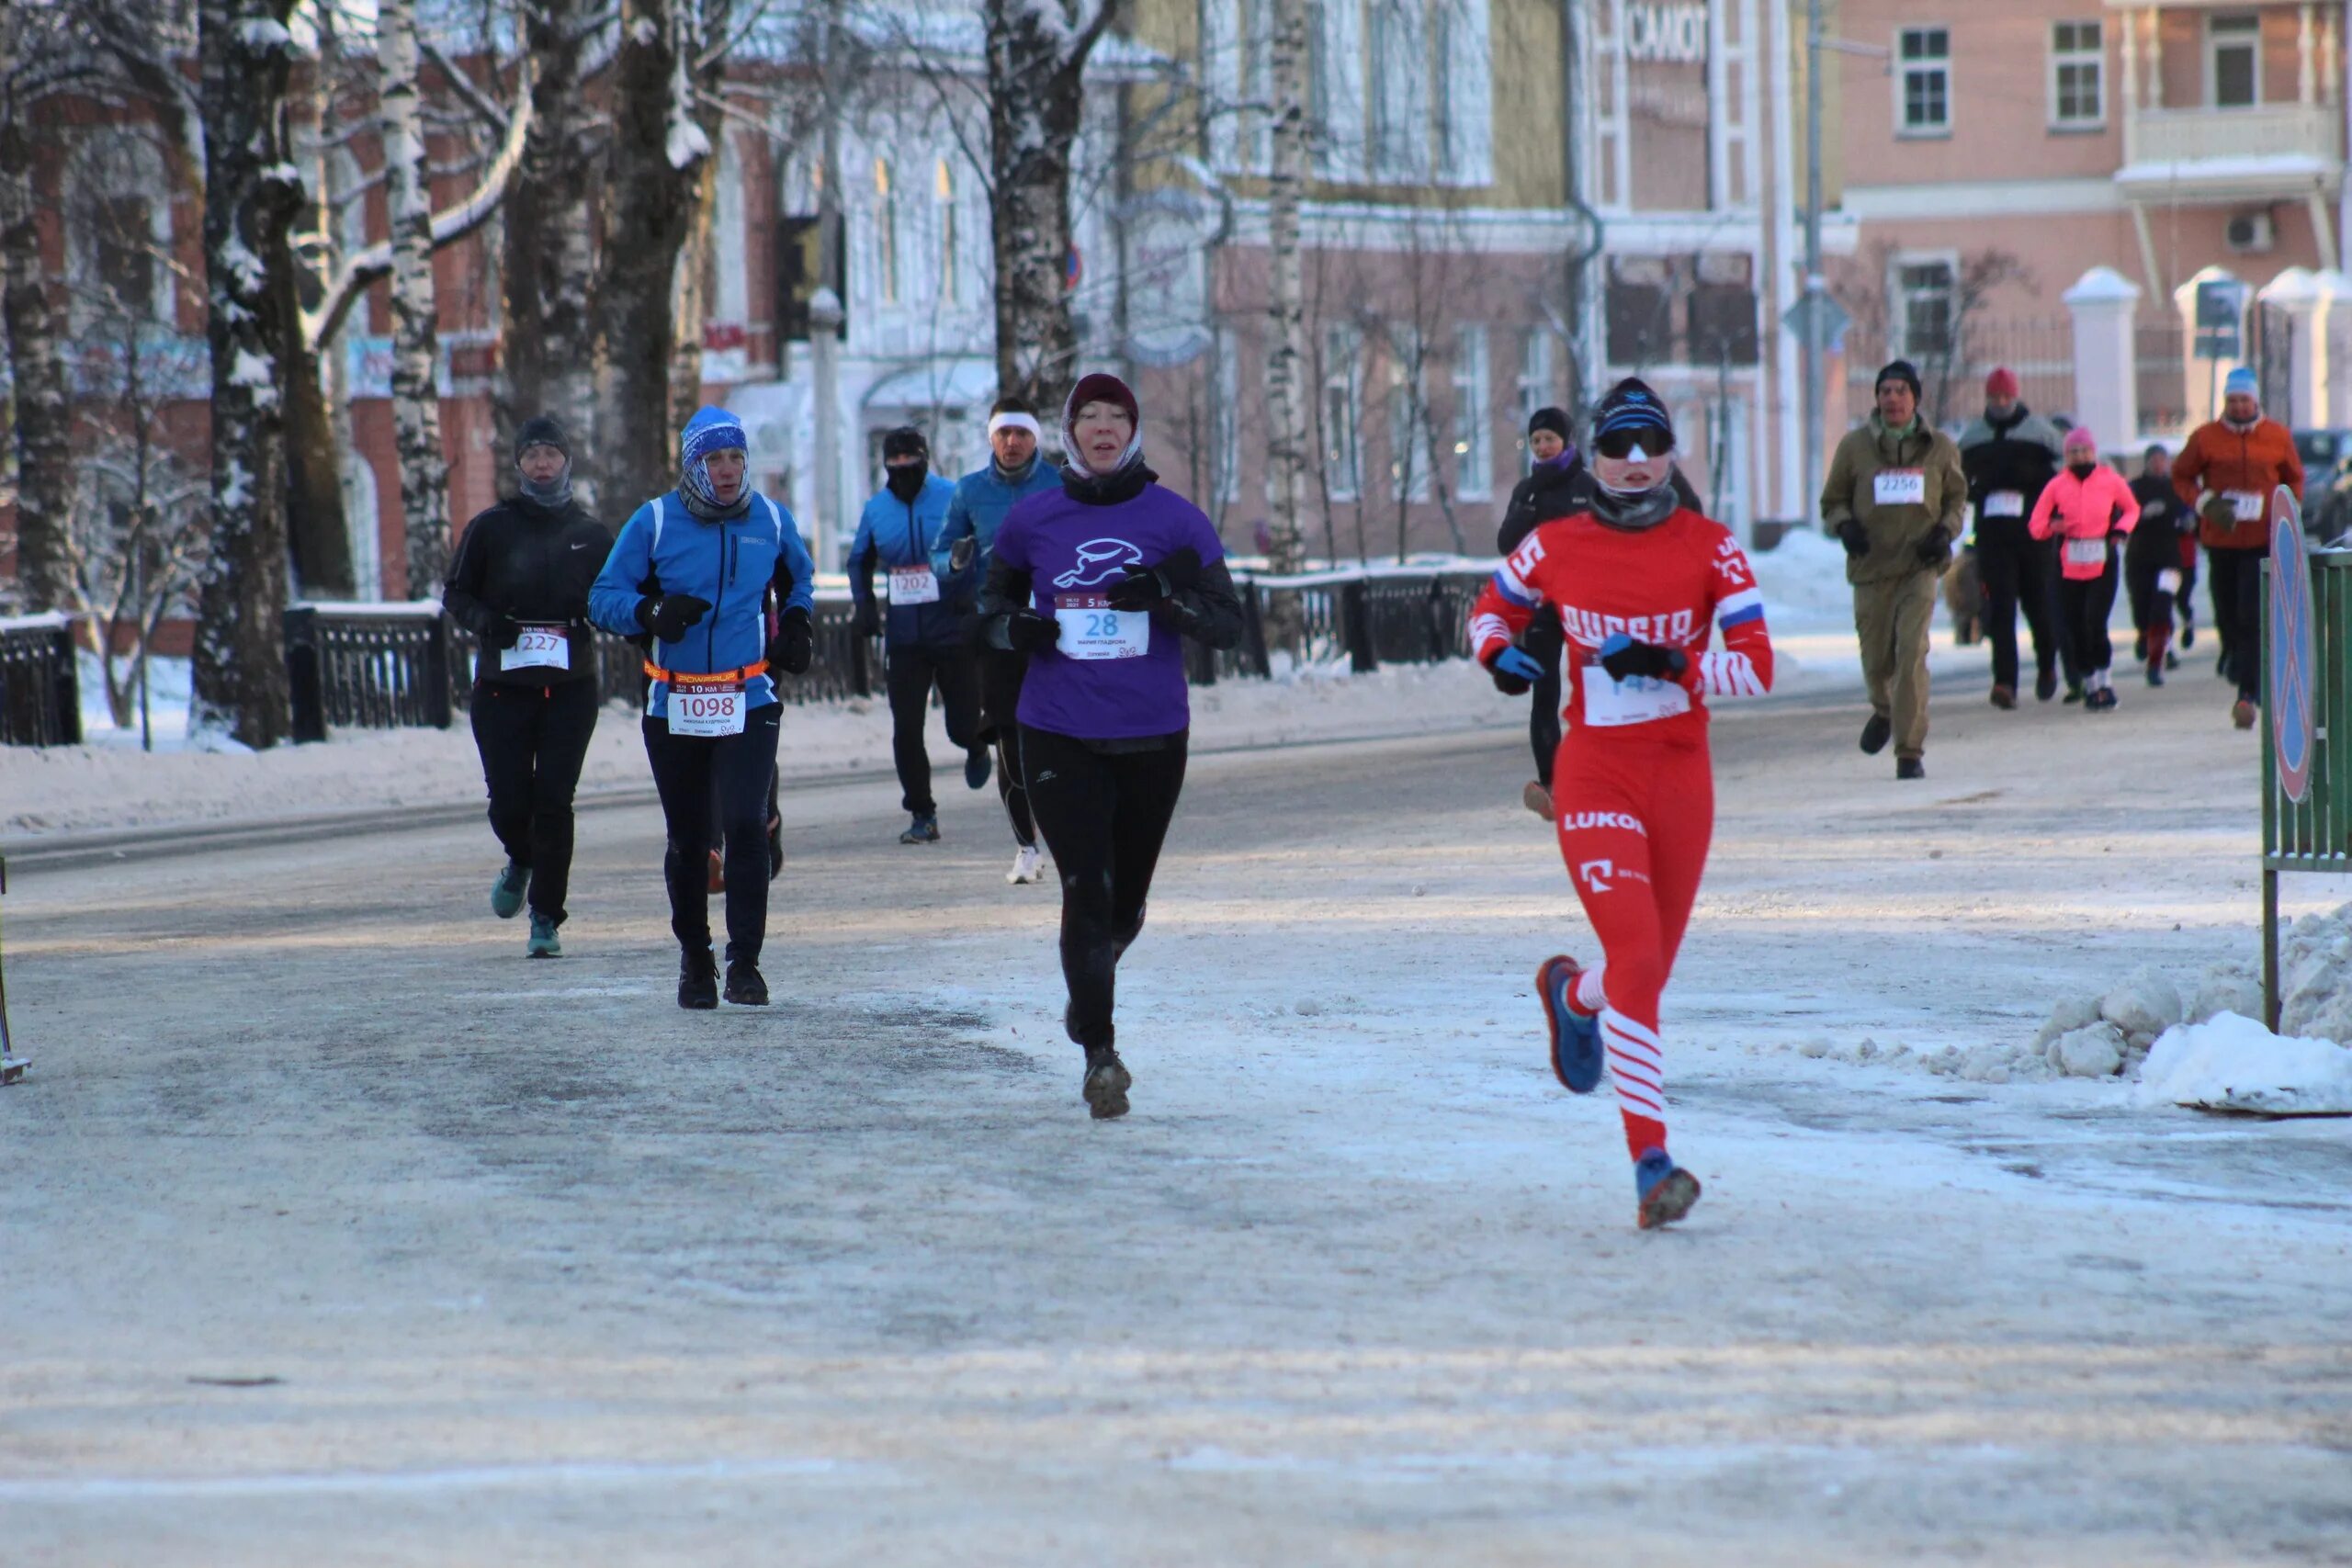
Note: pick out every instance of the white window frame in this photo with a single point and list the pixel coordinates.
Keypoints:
(2077, 56)
(943, 189)
(1905, 68)
(1342, 462)
(1534, 387)
(1397, 37)
(2220, 25)
(1463, 55)
(1474, 435)
(887, 235)
(1338, 108)
(1899, 297)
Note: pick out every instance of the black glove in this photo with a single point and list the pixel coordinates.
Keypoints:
(868, 622)
(1146, 586)
(1513, 670)
(794, 642)
(1025, 631)
(505, 631)
(1626, 660)
(669, 616)
(1934, 551)
(959, 554)
(1851, 534)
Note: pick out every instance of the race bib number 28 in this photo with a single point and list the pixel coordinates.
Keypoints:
(1091, 628)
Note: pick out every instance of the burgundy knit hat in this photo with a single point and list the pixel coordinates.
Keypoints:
(1101, 387)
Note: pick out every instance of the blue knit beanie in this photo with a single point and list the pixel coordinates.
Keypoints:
(710, 430)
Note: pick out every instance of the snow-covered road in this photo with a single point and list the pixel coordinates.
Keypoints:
(336, 1232)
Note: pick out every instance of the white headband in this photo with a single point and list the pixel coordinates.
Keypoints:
(1027, 422)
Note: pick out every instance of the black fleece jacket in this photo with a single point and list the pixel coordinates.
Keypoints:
(534, 563)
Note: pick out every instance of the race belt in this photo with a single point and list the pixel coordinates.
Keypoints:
(715, 678)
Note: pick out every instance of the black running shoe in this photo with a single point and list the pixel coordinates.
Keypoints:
(698, 979)
(1877, 731)
(744, 987)
(1107, 1082)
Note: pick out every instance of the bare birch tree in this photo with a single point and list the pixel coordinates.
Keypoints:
(549, 258)
(416, 346)
(1287, 357)
(252, 193)
(1037, 52)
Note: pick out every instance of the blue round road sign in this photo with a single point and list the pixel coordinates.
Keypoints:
(2290, 692)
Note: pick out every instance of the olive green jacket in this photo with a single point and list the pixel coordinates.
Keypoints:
(1895, 529)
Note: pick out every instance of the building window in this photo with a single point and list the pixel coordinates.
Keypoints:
(1461, 55)
(1534, 378)
(1924, 82)
(2233, 60)
(1342, 347)
(1474, 457)
(2078, 73)
(1408, 455)
(886, 233)
(943, 191)
(1400, 92)
(1225, 454)
(1923, 306)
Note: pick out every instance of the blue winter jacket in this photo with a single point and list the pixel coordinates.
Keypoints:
(982, 498)
(664, 548)
(890, 533)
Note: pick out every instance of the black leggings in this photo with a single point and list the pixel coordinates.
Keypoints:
(1544, 642)
(913, 670)
(2087, 603)
(1104, 815)
(2238, 613)
(727, 775)
(1000, 677)
(532, 740)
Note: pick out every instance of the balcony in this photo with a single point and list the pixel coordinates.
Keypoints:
(2272, 151)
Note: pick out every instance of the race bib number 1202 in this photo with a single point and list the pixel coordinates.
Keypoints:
(913, 585)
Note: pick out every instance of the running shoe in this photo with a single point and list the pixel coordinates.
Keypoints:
(1877, 730)
(745, 986)
(1025, 866)
(1665, 1190)
(2101, 701)
(1575, 1037)
(977, 764)
(1537, 797)
(923, 829)
(698, 979)
(2242, 714)
(2045, 686)
(2005, 697)
(1907, 768)
(544, 942)
(506, 893)
(1106, 1085)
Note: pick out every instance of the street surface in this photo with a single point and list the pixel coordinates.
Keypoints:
(336, 1232)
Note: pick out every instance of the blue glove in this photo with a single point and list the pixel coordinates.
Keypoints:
(1514, 669)
(1623, 657)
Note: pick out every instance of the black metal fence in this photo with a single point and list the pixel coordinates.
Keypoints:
(390, 666)
(40, 691)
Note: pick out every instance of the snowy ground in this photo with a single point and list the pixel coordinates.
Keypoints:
(339, 1233)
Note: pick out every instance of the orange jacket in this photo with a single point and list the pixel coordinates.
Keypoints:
(2226, 462)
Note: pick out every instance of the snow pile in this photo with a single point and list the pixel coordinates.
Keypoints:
(2315, 977)
(1803, 579)
(2232, 1063)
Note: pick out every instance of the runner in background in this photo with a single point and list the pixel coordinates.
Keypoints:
(967, 544)
(2154, 575)
(2087, 508)
(694, 568)
(519, 582)
(923, 643)
(2009, 456)
(2230, 470)
(1640, 583)
(1096, 584)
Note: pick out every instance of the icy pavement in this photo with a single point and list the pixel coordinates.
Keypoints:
(337, 1232)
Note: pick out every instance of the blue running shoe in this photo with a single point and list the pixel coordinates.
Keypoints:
(506, 893)
(1666, 1190)
(544, 942)
(1576, 1037)
(922, 830)
(977, 764)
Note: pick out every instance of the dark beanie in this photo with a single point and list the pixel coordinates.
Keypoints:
(1901, 370)
(1630, 405)
(541, 431)
(905, 442)
(1551, 419)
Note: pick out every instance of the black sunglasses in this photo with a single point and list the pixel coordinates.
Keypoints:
(1619, 443)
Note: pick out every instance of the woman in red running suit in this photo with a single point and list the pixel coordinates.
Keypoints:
(1641, 582)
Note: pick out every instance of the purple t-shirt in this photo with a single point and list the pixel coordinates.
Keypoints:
(1114, 676)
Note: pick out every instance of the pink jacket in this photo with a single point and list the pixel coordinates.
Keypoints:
(2083, 513)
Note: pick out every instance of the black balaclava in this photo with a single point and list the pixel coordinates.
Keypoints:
(906, 480)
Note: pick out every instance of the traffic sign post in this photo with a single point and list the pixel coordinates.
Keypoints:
(2307, 700)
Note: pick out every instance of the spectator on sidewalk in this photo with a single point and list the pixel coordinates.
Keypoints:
(1893, 497)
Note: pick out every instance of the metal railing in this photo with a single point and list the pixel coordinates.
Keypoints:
(40, 690)
(392, 666)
